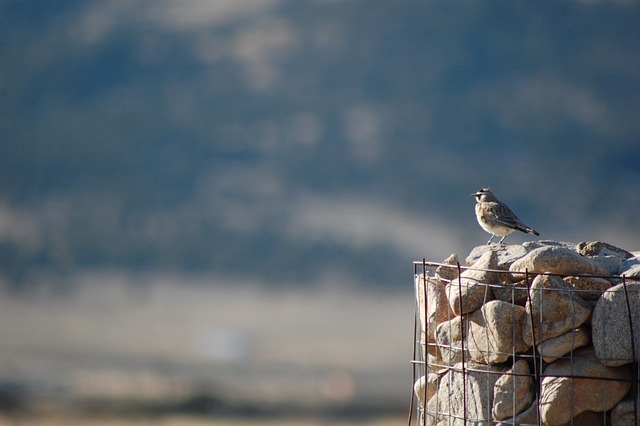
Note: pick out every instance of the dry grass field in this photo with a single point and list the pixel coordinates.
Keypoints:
(170, 343)
(191, 421)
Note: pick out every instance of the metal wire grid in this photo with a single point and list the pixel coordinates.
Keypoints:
(422, 365)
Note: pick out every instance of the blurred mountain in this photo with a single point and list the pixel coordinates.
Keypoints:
(297, 142)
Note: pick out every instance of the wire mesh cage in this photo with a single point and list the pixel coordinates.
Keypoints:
(500, 347)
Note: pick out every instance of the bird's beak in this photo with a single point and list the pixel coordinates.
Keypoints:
(473, 195)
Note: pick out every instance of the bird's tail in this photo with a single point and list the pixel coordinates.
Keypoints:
(531, 231)
(524, 228)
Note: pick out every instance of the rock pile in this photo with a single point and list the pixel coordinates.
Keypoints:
(541, 332)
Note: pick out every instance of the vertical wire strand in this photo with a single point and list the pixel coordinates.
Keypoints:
(634, 362)
(413, 357)
(536, 374)
(425, 351)
(462, 346)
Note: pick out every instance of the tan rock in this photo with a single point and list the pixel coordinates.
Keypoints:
(467, 295)
(471, 290)
(558, 260)
(554, 308)
(527, 417)
(448, 273)
(571, 387)
(588, 418)
(554, 348)
(425, 387)
(611, 331)
(490, 334)
(513, 392)
(589, 288)
(449, 335)
(433, 307)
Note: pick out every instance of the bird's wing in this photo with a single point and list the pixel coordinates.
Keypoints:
(500, 214)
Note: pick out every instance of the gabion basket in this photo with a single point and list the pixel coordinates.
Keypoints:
(496, 347)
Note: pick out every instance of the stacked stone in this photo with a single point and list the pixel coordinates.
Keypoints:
(544, 329)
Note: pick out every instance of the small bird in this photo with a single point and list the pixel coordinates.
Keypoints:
(496, 217)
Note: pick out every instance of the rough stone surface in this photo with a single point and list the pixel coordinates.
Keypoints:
(630, 268)
(426, 388)
(478, 272)
(589, 288)
(557, 260)
(578, 312)
(515, 293)
(532, 245)
(433, 306)
(623, 415)
(556, 347)
(609, 263)
(513, 391)
(563, 397)
(447, 273)
(554, 308)
(599, 248)
(527, 417)
(588, 418)
(490, 333)
(505, 255)
(468, 292)
(449, 401)
(467, 295)
(449, 335)
(607, 255)
(611, 331)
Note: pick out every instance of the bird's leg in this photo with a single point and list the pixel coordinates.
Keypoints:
(489, 242)
(502, 239)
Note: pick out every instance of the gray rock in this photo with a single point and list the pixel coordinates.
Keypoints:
(599, 248)
(589, 288)
(532, 245)
(469, 292)
(515, 293)
(558, 260)
(623, 413)
(554, 308)
(449, 402)
(563, 396)
(513, 391)
(608, 256)
(505, 255)
(490, 334)
(630, 268)
(554, 348)
(610, 263)
(611, 331)
(449, 335)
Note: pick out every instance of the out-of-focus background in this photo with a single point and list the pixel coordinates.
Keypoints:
(209, 208)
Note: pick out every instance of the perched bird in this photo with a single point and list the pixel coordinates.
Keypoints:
(496, 217)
